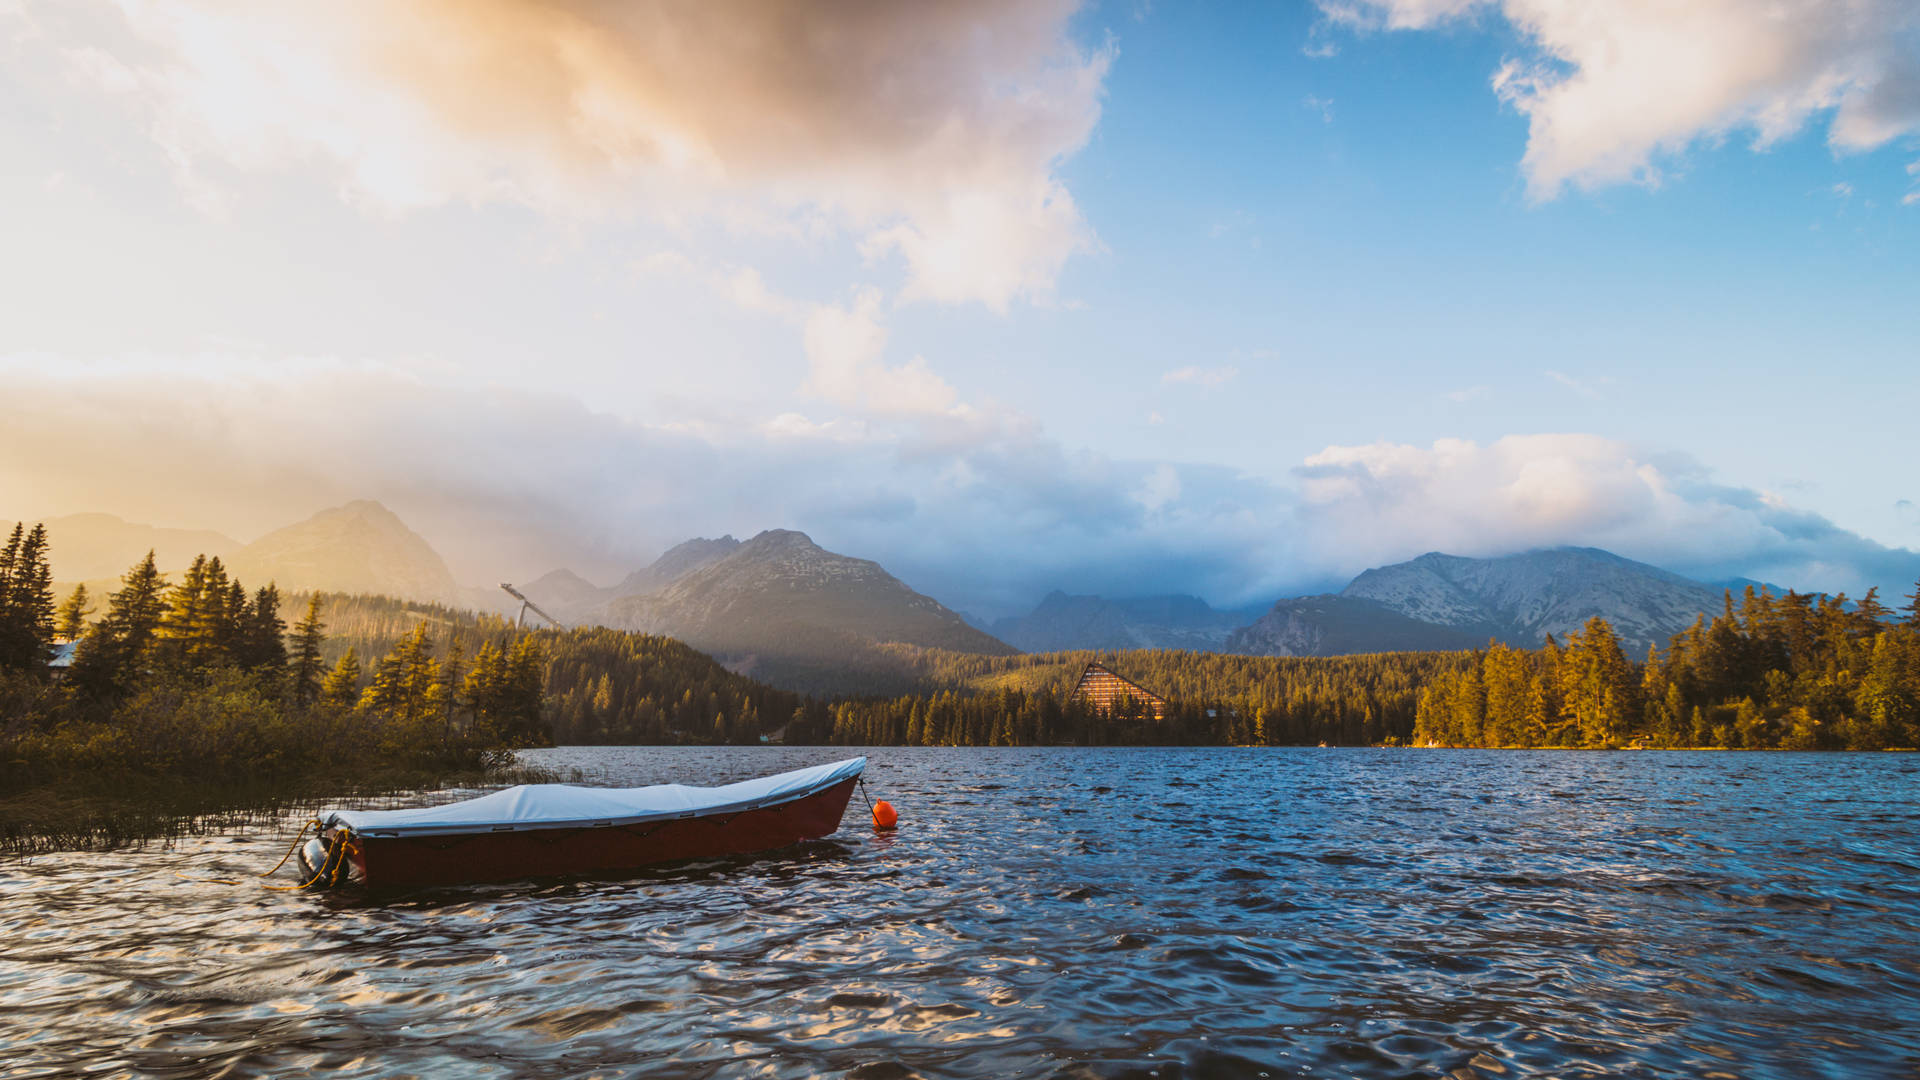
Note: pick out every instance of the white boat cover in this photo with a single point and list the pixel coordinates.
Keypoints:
(565, 806)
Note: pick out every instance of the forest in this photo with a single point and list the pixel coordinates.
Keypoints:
(201, 677)
(200, 680)
(1793, 672)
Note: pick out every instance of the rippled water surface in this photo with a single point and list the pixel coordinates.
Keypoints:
(1056, 912)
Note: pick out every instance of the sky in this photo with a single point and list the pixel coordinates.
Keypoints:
(1128, 298)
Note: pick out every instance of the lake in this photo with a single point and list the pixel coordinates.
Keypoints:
(1054, 912)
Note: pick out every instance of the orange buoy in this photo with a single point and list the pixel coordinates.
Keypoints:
(883, 815)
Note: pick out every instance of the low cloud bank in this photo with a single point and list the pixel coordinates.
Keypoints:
(985, 513)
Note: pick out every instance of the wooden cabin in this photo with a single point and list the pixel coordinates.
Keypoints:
(1102, 689)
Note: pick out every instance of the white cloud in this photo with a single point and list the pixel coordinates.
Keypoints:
(1208, 377)
(1323, 106)
(1466, 394)
(1371, 504)
(1613, 89)
(930, 131)
(1160, 489)
(845, 363)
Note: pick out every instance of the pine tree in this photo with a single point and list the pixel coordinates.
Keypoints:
(486, 688)
(261, 638)
(71, 620)
(1871, 613)
(121, 645)
(26, 602)
(307, 639)
(1600, 691)
(187, 631)
(12, 617)
(1913, 607)
(403, 681)
(526, 680)
(342, 685)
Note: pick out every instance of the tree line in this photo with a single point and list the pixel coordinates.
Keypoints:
(370, 677)
(200, 678)
(1798, 672)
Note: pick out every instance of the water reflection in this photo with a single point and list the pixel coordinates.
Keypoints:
(1149, 913)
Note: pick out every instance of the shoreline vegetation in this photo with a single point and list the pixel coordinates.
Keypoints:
(176, 700)
(192, 698)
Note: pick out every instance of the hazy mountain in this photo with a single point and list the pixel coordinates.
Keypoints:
(782, 607)
(563, 594)
(1336, 625)
(1062, 622)
(1517, 598)
(679, 561)
(90, 547)
(361, 547)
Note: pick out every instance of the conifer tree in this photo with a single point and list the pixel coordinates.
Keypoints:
(70, 622)
(1870, 612)
(26, 602)
(121, 645)
(262, 646)
(187, 629)
(307, 639)
(403, 681)
(342, 685)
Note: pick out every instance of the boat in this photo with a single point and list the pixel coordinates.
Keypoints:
(544, 830)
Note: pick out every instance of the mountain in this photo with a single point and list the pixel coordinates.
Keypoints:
(781, 607)
(679, 561)
(565, 595)
(361, 547)
(1061, 623)
(1335, 625)
(1449, 601)
(90, 547)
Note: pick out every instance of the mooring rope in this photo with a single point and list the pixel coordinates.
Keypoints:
(291, 848)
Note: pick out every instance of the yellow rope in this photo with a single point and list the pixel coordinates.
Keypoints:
(337, 865)
(297, 837)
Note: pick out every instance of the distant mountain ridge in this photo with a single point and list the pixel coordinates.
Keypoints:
(1451, 601)
(782, 604)
(361, 547)
(90, 547)
(1061, 623)
(777, 606)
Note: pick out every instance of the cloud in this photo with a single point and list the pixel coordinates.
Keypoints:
(1323, 106)
(1466, 394)
(1208, 377)
(1528, 491)
(1160, 489)
(845, 348)
(844, 343)
(984, 513)
(1613, 89)
(930, 132)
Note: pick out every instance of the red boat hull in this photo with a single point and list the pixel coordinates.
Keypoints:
(407, 862)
